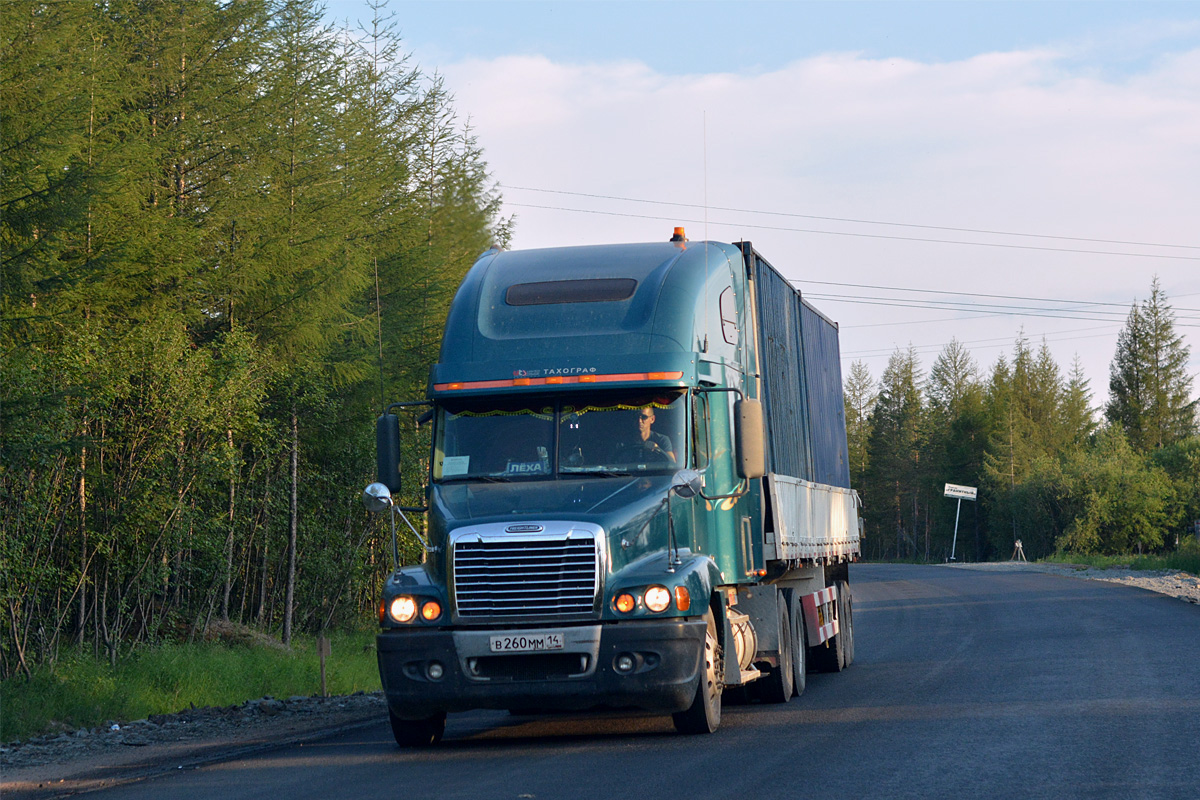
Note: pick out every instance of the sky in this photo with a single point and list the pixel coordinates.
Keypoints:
(921, 171)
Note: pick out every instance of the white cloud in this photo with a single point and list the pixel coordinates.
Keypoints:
(1015, 141)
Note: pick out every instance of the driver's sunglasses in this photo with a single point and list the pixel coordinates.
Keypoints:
(645, 416)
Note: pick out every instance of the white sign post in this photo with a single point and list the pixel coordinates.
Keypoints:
(962, 493)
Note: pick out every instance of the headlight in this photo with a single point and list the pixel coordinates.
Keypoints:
(403, 609)
(658, 598)
(624, 602)
(431, 611)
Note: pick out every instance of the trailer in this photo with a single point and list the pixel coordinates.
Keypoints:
(638, 495)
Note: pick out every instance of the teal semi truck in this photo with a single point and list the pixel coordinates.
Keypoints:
(638, 496)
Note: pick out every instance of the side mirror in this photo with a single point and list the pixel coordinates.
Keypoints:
(376, 498)
(387, 452)
(687, 483)
(749, 438)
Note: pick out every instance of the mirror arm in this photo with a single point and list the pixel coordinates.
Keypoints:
(715, 389)
(410, 404)
(420, 538)
(395, 548)
(744, 488)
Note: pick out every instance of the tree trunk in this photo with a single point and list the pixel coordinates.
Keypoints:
(289, 599)
(228, 539)
(83, 550)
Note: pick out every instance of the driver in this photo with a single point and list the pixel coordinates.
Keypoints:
(650, 445)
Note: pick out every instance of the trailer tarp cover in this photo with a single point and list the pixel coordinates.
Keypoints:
(802, 382)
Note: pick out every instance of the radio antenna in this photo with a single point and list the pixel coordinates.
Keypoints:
(705, 145)
(704, 163)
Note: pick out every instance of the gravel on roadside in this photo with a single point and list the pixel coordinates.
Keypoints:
(1174, 583)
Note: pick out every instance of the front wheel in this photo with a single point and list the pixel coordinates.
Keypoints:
(418, 732)
(704, 714)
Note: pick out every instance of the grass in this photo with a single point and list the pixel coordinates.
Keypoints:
(82, 691)
(1186, 559)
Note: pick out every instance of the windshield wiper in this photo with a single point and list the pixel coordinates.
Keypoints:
(597, 473)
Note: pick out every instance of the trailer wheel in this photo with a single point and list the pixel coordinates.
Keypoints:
(799, 647)
(418, 732)
(846, 622)
(776, 687)
(704, 714)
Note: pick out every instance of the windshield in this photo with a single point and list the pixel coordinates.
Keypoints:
(509, 439)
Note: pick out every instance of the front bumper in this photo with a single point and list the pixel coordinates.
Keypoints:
(582, 675)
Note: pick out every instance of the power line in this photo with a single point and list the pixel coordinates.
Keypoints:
(981, 312)
(858, 235)
(981, 308)
(1001, 341)
(956, 304)
(851, 220)
(975, 294)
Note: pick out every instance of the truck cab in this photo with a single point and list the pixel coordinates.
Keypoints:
(603, 528)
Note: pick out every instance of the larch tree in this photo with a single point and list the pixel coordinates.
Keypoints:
(860, 394)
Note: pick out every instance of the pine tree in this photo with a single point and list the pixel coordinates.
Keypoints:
(1078, 421)
(1170, 411)
(1126, 389)
(1150, 388)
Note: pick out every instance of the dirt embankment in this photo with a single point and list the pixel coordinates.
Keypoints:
(91, 758)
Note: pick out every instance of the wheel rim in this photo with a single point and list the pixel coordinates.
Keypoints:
(712, 679)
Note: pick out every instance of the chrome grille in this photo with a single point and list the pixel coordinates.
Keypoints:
(509, 576)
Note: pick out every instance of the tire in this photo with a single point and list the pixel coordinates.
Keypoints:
(830, 656)
(418, 732)
(799, 648)
(776, 687)
(846, 622)
(704, 714)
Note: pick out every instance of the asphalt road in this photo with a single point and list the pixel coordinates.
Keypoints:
(965, 684)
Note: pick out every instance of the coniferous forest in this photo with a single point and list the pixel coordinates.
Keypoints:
(230, 235)
(1052, 471)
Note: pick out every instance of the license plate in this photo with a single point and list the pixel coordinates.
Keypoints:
(527, 642)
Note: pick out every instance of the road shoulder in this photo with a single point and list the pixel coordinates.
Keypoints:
(1180, 585)
(87, 760)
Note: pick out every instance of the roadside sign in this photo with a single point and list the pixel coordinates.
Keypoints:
(963, 492)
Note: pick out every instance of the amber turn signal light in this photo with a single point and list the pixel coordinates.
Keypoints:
(431, 611)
